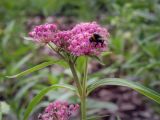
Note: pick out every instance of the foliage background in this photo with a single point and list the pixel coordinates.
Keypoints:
(134, 42)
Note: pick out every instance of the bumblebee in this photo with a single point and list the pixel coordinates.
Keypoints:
(96, 38)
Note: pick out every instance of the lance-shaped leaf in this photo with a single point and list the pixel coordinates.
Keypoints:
(120, 82)
(97, 117)
(42, 93)
(33, 69)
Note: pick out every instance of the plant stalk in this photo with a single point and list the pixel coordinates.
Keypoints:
(84, 91)
(83, 108)
(73, 70)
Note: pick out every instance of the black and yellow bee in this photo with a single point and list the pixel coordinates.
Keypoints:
(96, 38)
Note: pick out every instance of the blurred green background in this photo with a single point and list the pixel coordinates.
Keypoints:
(134, 26)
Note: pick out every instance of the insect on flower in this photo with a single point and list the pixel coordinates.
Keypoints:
(96, 38)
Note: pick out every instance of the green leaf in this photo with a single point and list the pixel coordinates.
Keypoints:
(28, 38)
(33, 69)
(96, 104)
(39, 96)
(120, 82)
(148, 66)
(21, 62)
(23, 90)
(63, 64)
(97, 117)
(106, 53)
(7, 34)
(80, 64)
(4, 107)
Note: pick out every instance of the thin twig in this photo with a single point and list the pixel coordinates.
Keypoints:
(56, 51)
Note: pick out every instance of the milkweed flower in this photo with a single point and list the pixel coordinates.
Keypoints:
(76, 41)
(61, 39)
(80, 41)
(43, 33)
(58, 110)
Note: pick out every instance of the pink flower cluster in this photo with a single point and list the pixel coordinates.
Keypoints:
(43, 33)
(75, 41)
(80, 44)
(58, 110)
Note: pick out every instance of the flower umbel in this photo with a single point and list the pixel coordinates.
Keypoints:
(43, 33)
(80, 41)
(75, 41)
(58, 110)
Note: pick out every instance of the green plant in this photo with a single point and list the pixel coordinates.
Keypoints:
(83, 86)
(134, 44)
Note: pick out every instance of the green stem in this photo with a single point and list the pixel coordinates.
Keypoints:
(56, 51)
(85, 75)
(83, 108)
(0, 111)
(83, 97)
(73, 70)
